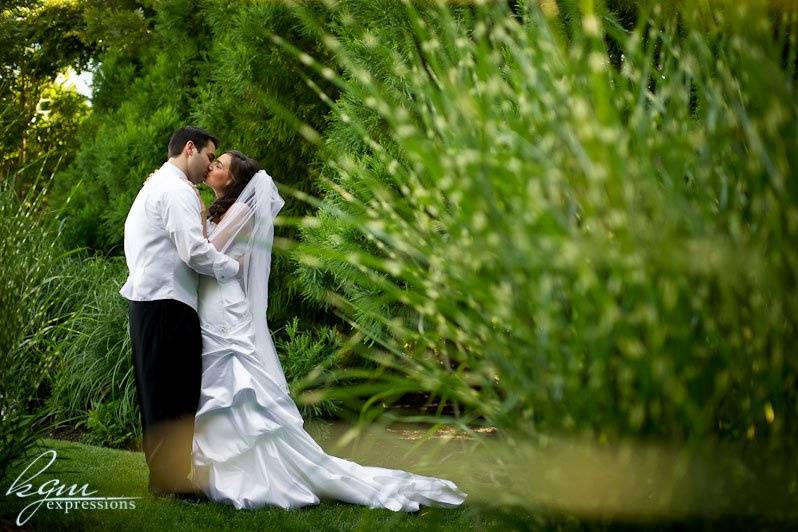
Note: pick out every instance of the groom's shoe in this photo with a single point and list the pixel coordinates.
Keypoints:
(155, 491)
(183, 496)
(191, 497)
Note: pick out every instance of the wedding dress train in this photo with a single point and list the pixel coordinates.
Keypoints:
(250, 448)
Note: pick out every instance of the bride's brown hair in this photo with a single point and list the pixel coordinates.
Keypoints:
(242, 168)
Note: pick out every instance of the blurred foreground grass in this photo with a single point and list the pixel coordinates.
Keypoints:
(550, 484)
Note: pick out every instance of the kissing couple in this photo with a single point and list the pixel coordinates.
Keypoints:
(216, 414)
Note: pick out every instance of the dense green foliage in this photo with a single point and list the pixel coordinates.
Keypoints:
(142, 96)
(35, 297)
(554, 233)
(217, 69)
(94, 373)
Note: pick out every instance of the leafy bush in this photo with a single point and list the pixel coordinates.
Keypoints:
(561, 223)
(34, 295)
(94, 385)
(249, 76)
(217, 69)
(107, 427)
(304, 353)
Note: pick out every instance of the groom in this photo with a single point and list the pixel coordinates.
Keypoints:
(165, 250)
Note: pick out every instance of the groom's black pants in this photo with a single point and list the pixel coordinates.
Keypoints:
(167, 350)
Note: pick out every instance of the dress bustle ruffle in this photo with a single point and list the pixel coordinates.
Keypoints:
(251, 448)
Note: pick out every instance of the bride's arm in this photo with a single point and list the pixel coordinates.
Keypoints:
(230, 225)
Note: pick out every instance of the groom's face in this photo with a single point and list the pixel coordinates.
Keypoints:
(199, 161)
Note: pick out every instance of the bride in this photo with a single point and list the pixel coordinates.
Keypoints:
(250, 448)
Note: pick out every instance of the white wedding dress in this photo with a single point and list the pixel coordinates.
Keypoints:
(250, 447)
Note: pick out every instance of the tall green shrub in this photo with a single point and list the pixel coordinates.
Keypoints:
(94, 386)
(251, 76)
(35, 298)
(144, 95)
(216, 68)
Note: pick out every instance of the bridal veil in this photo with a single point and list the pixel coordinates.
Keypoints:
(246, 231)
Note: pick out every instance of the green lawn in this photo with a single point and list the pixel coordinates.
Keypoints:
(123, 473)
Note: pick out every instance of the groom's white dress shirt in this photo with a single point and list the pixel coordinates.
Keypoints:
(164, 244)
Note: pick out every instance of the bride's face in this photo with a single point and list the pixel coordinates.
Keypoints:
(219, 176)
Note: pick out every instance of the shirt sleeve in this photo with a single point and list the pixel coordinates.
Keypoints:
(181, 217)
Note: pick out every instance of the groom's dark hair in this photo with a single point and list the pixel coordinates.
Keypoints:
(198, 136)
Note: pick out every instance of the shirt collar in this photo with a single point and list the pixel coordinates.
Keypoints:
(174, 170)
